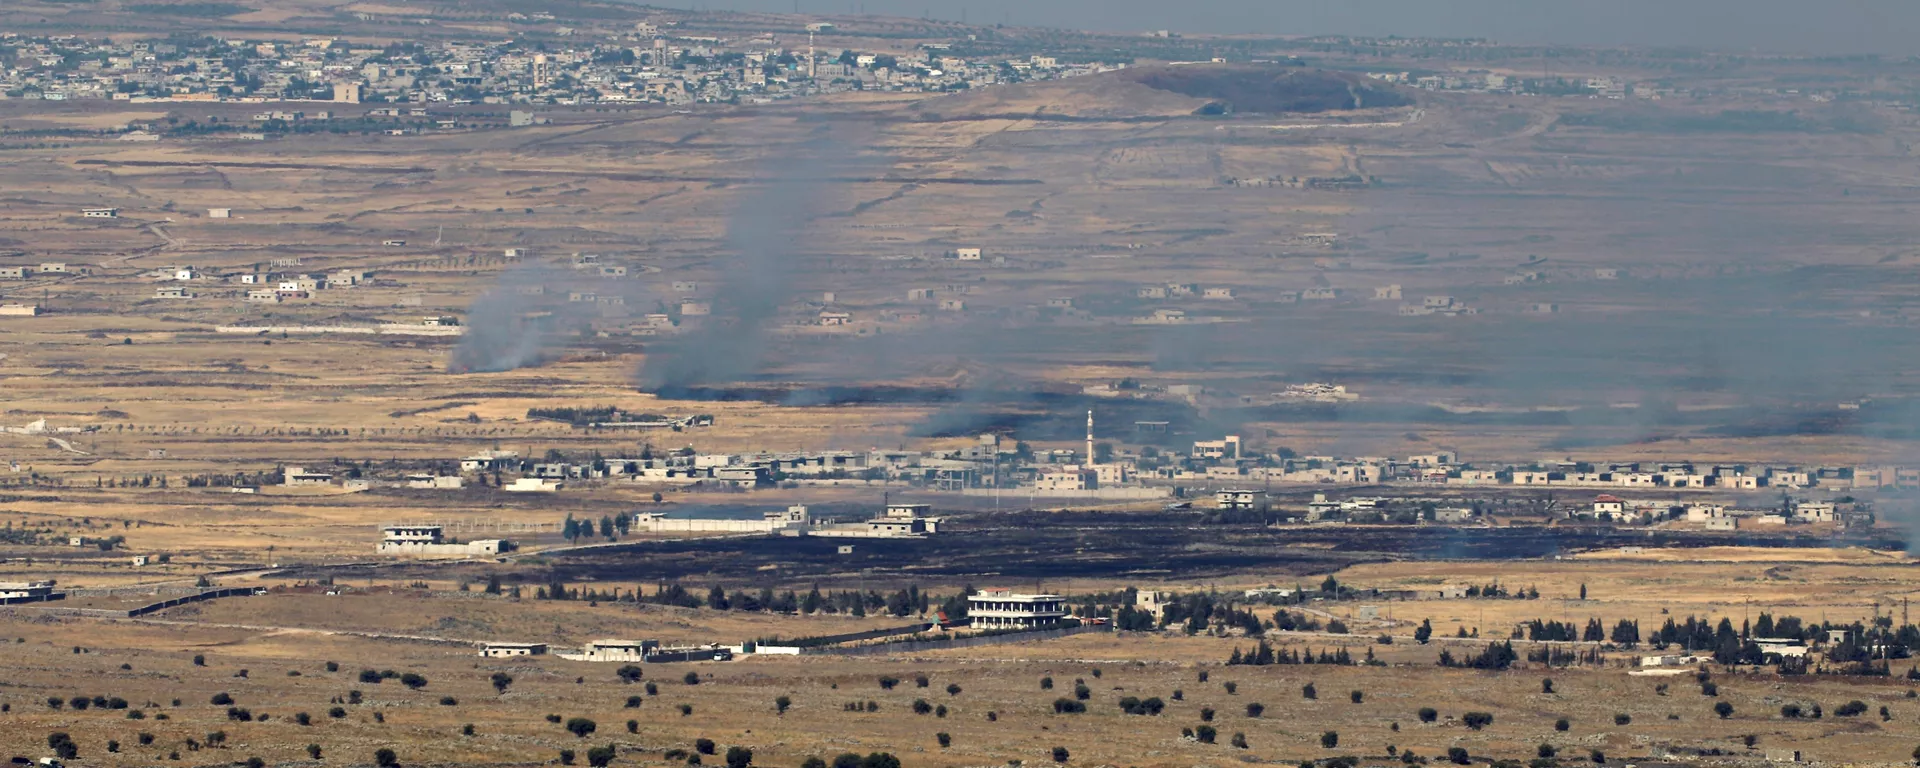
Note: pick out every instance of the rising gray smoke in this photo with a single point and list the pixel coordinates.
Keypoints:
(499, 335)
(765, 235)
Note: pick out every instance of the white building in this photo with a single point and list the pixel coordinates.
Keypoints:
(427, 541)
(509, 650)
(26, 590)
(613, 650)
(1005, 609)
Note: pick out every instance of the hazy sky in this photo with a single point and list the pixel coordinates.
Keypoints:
(1818, 26)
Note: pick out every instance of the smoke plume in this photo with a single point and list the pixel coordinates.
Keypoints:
(764, 235)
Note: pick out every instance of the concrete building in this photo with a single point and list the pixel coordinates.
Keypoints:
(1006, 609)
(1224, 448)
(614, 650)
(794, 517)
(1239, 499)
(19, 310)
(435, 482)
(531, 485)
(1153, 602)
(100, 213)
(510, 650)
(299, 476)
(427, 541)
(27, 591)
(346, 93)
(219, 213)
(172, 292)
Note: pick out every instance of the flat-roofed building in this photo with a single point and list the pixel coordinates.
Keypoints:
(1006, 609)
(509, 650)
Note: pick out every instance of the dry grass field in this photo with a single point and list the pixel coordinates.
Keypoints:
(269, 654)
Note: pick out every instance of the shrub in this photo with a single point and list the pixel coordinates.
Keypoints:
(1356, 696)
(500, 681)
(1060, 754)
(686, 709)
(1546, 751)
(413, 680)
(1206, 714)
(691, 678)
(370, 676)
(1458, 756)
(199, 660)
(302, 718)
(219, 699)
(921, 707)
(599, 757)
(1205, 734)
(1239, 740)
(1330, 739)
(703, 746)
(1598, 757)
(1066, 706)
(944, 739)
(940, 711)
(1046, 683)
(813, 762)
(566, 757)
(739, 757)
(1477, 720)
(1723, 709)
(1429, 714)
(581, 727)
(1562, 725)
(953, 689)
(653, 690)
(1709, 689)
(466, 730)
(1853, 708)
(114, 746)
(633, 702)
(337, 712)
(633, 726)
(1546, 686)
(1255, 709)
(1622, 719)
(920, 681)
(628, 673)
(887, 683)
(1307, 691)
(313, 751)
(384, 758)
(333, 666)
(1082, 692)
(1231, 687)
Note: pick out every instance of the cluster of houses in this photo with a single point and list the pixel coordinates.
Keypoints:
(653, 62)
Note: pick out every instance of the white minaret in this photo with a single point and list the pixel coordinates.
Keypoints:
(1089, 461)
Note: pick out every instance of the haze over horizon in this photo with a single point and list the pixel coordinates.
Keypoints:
(1787, 26)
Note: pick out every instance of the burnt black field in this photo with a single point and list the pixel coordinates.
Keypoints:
(1032, 547)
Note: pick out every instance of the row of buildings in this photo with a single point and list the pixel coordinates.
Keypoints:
(651, 63)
